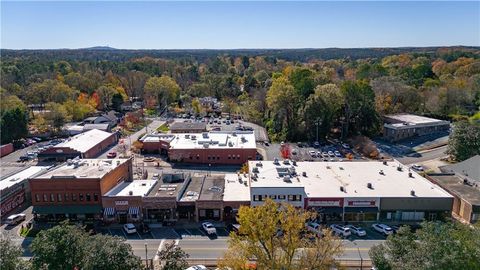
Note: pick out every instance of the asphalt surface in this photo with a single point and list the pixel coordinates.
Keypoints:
(420, 157)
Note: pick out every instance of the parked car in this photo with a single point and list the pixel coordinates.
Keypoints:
(346, 146)
(15, 219)
(331, 154)
(382, 228)
(325, 154)
(209, 228)
(149, 159)
(340, 230)
(337, 154)
(156, 176)
(316, 144)
(312, 153)
(359, 231)
(129, 228)
(417, 167)
(111, 154)
(23, 159)
(314, 228)
(233, 227)
(197, 267)
(294, 151)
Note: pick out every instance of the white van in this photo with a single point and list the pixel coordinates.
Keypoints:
(15, 219)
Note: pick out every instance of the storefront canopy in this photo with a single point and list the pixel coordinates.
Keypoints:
(69, 209)
(328, 210)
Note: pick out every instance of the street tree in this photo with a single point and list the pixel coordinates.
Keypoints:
(434, 246)
(464, 142)
(10, 256)
(274, 236)
(173, 257)
(56, 115)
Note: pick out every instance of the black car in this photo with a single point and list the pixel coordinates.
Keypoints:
(23, 159)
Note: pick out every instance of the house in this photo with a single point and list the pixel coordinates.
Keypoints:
(110, 118)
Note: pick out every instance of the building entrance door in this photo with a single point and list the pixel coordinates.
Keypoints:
(122, 217)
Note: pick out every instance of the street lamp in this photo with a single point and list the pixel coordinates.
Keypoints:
(318, 122)
(146, 258)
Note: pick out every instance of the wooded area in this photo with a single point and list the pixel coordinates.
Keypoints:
(288, 91)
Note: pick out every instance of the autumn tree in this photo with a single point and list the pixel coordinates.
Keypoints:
(161, 91)
(56, 115)
(173, 257)
(271, 234)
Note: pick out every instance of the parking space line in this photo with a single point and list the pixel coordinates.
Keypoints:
(189, 232)
(160, 247)
(139, 236)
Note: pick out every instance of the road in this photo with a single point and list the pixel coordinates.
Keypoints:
(435, 153)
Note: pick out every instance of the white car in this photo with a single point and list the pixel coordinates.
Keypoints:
(313, 153)
(359, 231)
(337, 154)
(382, 228)
(325, 154)
(331, 154)
(155, 176)
(129, 228)
(346, 146)
(15, 219)
(417, 167)
(209, 228)
(314, 228)
(197, 267)
(340, 230)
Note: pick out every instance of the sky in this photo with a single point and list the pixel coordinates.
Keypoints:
(235, 25)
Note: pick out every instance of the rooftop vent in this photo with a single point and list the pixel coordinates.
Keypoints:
(205, 145)
(399, 168)
(294, 163)
(343, 189)
(255, 170)
(412, 192)
(259, 164)
(205, 135)
(187, 136)
(384, 162)
(234, 134)
(304, 174)
(130, 193)
(410, 174)
(286, 162)
(144, 184)
(341, 168)
(286, 178)
(369, 185)
(381, 172)
(275, 161)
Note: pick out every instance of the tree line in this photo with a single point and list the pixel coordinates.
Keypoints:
(289, 95)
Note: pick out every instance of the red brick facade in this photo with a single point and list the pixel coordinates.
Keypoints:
(234, 156)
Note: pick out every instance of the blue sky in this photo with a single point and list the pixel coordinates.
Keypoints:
(225, 25)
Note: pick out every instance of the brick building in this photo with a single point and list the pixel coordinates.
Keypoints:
(85, 145)
(74, 189)
(402, 126)
(216, 147)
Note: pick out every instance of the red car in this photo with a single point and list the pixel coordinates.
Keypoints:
(111, 154)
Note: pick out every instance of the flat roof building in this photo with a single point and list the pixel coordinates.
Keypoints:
(15, 190)
(402, 126)
(209, 204)
(84, 145)
(74, 189)
(352, 191)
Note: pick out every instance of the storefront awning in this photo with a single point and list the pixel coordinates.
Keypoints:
(67, 209)
(109, 211)
(133, 210)
(328, 210)
(361, 209)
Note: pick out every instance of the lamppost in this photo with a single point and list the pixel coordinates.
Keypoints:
(318, 122)
(146, 258)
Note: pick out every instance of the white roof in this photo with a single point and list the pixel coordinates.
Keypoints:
(214, 139)
(413, 119)
(157, 137)
(137, 188)
(21, 176)
(324, 179)
(236, 191)
(83, 168)
(85, 141)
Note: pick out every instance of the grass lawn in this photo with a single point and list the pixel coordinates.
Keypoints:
(29, 232)
(163, 128)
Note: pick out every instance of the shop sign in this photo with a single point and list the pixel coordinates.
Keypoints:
(121, 202)
(326, 203)
(362, 203)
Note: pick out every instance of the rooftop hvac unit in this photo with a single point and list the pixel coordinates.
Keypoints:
(343, 189)
(286, 162)
(384, 162)
(381, 172)
(243, 139)
(369, 185)
(130, 193)
(304, 174)
(205, 135)
(275, 161)
(230, 144)
(205, 145)
(259, 164)
(255, 170)
(187, 136)
(294, 163)
(286, 178)
(410, 174)
(399, 168)
(234, 134)
(412, 192)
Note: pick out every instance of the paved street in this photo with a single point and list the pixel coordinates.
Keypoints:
(424, 156)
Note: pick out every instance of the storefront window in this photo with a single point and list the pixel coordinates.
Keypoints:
(37, 197)
(80, 197)
(52, 197)
(74, 197)
(95, 197)
(281, 197)
(88, 197)
(59, 197)
(66, 197)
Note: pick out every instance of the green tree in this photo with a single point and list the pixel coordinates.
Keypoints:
(10, 256)
(117, 101)
(435, 246)
(105, 96)
(49, 91)
(282, 101)
(464, 142)
(13, 125)
(56, 115)
(161, 91)
(303, 81)
(67, 246)
(272, 234)
(173, 257)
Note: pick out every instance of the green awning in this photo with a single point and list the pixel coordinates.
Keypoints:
(68, 209)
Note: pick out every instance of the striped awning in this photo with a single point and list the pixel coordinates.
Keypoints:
(109, 211)
(133, 210)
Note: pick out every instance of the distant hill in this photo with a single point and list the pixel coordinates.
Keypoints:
(302, 55)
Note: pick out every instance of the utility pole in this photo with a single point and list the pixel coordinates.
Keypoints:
(146, 258)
